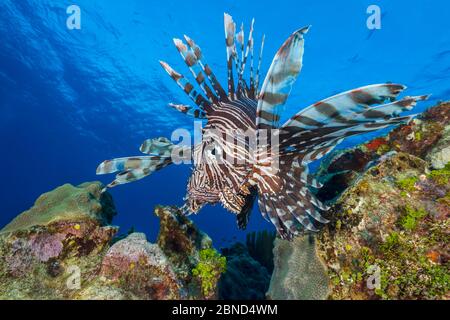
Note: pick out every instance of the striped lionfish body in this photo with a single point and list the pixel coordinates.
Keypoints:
(232, 168)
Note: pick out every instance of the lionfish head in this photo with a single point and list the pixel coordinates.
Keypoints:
(213, 178)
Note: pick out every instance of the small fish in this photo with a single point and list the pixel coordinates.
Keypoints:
(283, 192)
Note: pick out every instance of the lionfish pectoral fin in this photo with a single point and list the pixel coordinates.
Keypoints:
(285, 197)
(131, 169)
(317, 129)
(279, 80)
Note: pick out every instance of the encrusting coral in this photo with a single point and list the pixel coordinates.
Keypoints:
(426, 137)
(143, 267)
(64, 233)
(393, 215)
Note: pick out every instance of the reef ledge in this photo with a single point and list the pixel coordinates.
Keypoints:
(65, 247)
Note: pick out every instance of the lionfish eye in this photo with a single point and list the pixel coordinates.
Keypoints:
(214, 151)
(211, 153)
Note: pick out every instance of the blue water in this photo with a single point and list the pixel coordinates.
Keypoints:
(70, 99)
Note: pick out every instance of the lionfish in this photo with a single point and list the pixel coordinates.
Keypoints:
(285, 196)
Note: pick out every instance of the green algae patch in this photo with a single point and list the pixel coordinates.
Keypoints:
(209, 269)
(441, 176)
(407, 183)
(412, 217)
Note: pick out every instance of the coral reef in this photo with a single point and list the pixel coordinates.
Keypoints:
(426, 137)
(143, 267)
(65, 232)
(392, 214)
(64, 248)
(299, 273)
(245, 278)
(394, 220)
(188, 249)
(387, 238)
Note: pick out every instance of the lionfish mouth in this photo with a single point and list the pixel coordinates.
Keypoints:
(231, 200)
(195, 200)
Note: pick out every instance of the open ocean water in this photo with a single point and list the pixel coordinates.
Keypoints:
(70, 99)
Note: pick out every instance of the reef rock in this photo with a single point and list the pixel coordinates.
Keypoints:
(426, 137)
(190, 252)
(65, 204)
(63, 235)
(180, 240)
(143, 266)
(389, 222)
(64, 248)
(439, 156)
(245, 278)
(389, 233)
(299, 273)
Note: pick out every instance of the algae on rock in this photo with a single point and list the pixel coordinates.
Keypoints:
(390, 213)
(63, 248)
(393, 220)
(65, 231)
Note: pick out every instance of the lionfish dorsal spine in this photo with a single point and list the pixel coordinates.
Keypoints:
(220, 92)
(188, 88)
